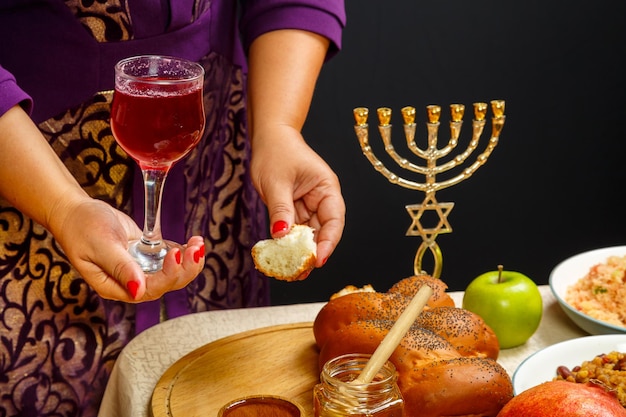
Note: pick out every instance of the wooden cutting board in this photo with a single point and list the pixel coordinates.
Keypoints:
(277, 360)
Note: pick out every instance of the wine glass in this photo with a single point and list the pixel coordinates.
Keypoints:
(157, 117)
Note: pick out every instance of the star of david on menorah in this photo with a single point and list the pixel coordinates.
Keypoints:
(430, 170)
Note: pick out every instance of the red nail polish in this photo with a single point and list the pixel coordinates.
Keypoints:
(132, 286)
(279, 226)
(198, 254)
(178, 257)
(324, 261)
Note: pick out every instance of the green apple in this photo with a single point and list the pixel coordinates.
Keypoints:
(509, 302)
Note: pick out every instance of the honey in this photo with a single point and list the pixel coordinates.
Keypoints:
(261, 406)
(336, 396)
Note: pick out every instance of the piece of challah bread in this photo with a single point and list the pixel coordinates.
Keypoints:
(446, 361)
(287, 258)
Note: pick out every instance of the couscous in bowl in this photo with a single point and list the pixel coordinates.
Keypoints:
(566, 275)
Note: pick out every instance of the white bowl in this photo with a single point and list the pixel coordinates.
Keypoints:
(541, 366)
(568, 272)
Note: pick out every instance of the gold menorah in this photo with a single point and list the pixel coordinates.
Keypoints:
(431, 154)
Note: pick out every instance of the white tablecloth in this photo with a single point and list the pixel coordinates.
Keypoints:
(141, 364)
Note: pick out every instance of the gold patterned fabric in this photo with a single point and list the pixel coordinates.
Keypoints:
(58, 338)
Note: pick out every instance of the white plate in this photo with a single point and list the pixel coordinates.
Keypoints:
(568, 272)
(541, 366)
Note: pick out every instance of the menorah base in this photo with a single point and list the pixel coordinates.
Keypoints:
(435, 250)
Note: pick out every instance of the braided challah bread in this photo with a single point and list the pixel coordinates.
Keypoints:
(446, 362)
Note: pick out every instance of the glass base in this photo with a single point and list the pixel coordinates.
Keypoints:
(150, 257)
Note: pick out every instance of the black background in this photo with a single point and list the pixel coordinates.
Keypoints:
(554, 185)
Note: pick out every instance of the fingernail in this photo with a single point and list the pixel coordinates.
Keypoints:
(279, 226)
(198, 254)
(132, 286)
(178, 257)
(324, 261)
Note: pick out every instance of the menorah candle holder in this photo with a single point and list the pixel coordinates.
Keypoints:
(430, 170)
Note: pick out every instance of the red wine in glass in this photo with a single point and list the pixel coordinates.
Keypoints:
(157, 117)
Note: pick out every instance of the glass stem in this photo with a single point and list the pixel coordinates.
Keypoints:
(153, 180)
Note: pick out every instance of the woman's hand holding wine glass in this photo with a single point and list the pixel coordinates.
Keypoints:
(103, 260)
(93, 235)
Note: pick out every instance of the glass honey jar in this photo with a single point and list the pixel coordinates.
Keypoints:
(336, 396)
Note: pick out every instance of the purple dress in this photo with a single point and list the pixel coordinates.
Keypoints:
(58, 338)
